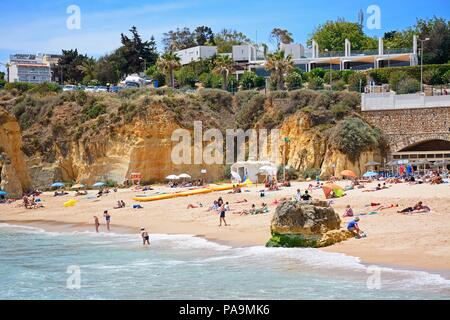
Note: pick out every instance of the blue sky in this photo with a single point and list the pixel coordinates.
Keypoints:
(34, 26)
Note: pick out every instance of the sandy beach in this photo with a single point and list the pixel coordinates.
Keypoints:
(417, 241)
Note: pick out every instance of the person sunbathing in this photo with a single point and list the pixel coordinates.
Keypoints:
(246, 212)
(81, 193)
(191, 206)
(381, 208)
(377, 188)
(241, 201)
(418, 208)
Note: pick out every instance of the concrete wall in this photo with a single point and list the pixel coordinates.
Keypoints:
(392, 101)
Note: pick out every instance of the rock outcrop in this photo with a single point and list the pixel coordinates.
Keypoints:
(14, 177)
(297, 224)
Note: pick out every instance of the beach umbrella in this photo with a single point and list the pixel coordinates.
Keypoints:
(268, 170)
(172, 177)
(99, 185)
(78, 186)
(348, 173)
(329, 187)
(372, 163)
(236, 176)
(57, 185)
(370, 174)
(184, 176)
(3, 193)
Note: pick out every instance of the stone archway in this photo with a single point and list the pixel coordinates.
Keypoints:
(428, 145)
(400, 142)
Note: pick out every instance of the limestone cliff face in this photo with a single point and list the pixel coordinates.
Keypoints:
(143, 146)
(309, 148)
(14, 174)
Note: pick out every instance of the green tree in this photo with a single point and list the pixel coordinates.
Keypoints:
(178, 40)
(294, 79)
(89, 69)
(279, 65)
(167, 64)
(67, 66)
(248, 80)
(437, 49)
(332, 34)
(224, 65)
(357, 82)
(204, 35)
(226, 39)
(280, 36)
(136, 52)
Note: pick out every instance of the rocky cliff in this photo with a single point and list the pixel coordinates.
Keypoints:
(84, 138)
(14, 175)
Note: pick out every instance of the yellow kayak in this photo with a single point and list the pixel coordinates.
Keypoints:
(209, 189)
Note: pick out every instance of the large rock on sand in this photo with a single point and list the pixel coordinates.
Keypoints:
(297, 224)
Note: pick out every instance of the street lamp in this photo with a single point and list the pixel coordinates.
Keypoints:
(421, 62)
(331, 75)
(145, 63)
(389, 57)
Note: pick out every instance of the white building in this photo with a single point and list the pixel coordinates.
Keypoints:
(196, 54)
(31, 68)
(29, 72)
(296, 51)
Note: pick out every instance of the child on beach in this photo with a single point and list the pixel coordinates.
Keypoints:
(348, 211)
(145, 237)
(222, 211)
(97, 223)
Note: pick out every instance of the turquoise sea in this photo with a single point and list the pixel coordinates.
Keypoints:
(34, 264)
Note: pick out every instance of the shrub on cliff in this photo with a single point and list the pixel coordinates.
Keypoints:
(94, 110)
(315, 83)
(216, 99)
(408, 85)
(249, 113)
(353, 136)
(357, 81)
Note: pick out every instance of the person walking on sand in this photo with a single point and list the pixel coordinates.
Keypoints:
(97, 223)
(145, 237)
(108, 219)
(222, 211)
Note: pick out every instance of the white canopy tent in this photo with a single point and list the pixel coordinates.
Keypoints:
(250, 169)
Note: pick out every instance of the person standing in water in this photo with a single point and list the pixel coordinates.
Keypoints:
(108, 219)
(145, 237)
(97, 223)
(222, 211)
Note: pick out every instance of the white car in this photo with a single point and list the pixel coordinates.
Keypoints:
(69, 88)
(102, 89)
(90, 89)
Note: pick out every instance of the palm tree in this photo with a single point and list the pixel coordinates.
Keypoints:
(167, 64)
(88, 68)
(279, 65)
(224, 65)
